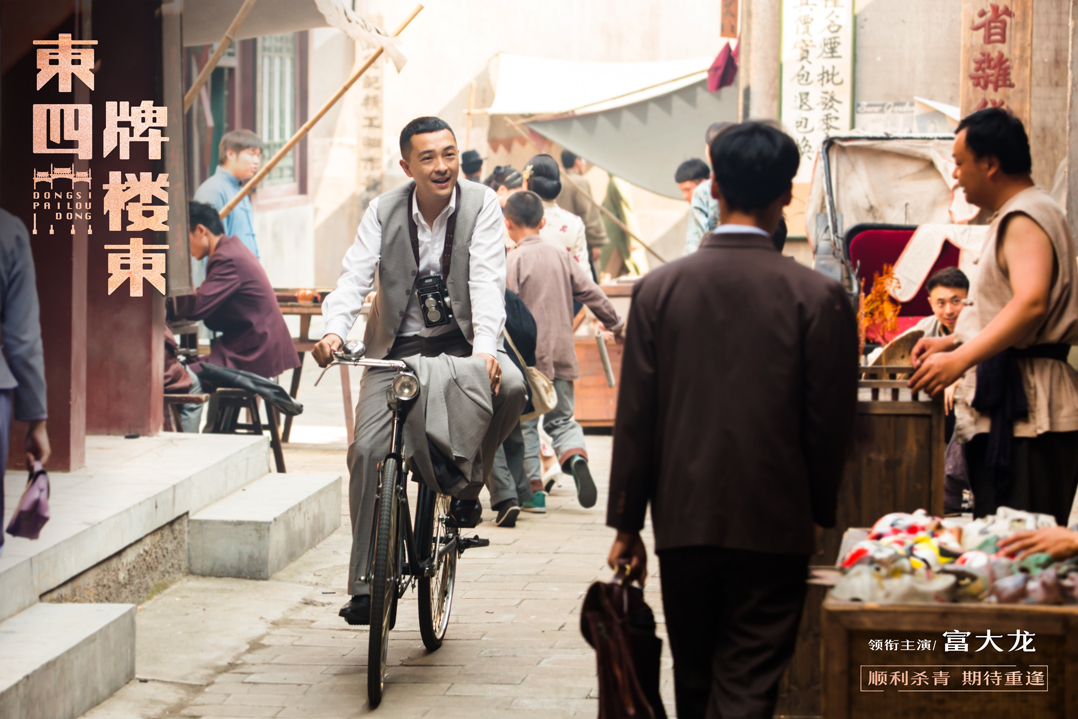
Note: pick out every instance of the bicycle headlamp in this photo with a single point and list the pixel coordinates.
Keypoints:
(405, 386)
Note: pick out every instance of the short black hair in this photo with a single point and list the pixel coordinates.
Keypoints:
(199, 213)
(995, 132)
(950, 277)
(754, 163)
(713, 131)
(568, 159)
(421, 126)
(694, 169)
(525, 209)
(543, 176)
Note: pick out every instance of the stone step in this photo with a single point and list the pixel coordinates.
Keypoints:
(256, 531)
(57, 661)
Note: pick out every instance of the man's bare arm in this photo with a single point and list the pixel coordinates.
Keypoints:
(1028, 258)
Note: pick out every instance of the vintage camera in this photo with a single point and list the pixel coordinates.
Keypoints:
(434, 301)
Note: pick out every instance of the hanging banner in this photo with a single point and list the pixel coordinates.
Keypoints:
(817, 74)
(729, 19)
(997, 45)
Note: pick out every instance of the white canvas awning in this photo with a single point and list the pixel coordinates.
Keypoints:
(206, 21)
(636, 120)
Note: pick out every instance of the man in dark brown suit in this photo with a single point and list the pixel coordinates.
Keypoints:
(738, 387)
(237, 300)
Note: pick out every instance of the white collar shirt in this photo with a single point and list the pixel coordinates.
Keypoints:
(486, 273)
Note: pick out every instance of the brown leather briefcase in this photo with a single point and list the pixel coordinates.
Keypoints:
(620, 626)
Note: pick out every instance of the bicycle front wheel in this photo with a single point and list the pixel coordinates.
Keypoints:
(383, 581)
(435, 592)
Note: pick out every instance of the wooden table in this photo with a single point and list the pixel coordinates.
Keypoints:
(304, 344)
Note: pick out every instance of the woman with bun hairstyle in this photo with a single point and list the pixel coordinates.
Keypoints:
(504, 180)
(563, 229)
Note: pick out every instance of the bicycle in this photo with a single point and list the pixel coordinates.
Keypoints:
(425, 557)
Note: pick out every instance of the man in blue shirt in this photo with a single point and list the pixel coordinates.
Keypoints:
(704, 209)
(239, 154)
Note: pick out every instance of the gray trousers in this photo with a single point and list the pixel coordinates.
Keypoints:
(565, 433)
(516, 466)
(373, 435)
(191, 414)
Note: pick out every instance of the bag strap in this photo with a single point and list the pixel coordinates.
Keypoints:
(450, 231)
(515, 350)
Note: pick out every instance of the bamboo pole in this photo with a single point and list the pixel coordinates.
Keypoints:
(222, 47)
(468, 121)
(592, 200)
(261, 174)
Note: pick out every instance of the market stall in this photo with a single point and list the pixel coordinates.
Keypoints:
(926, 608)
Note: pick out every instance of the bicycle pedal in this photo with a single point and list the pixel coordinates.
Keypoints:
(472, 542)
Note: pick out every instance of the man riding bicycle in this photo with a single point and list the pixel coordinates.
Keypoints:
(436, 246)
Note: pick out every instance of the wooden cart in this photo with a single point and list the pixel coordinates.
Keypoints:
(896, 466)
(597, 402)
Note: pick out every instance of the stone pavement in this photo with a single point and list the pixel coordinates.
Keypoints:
(236, 648)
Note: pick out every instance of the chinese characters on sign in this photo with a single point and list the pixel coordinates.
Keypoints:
(817, 74)
(996, 48)
(956, 641)
(729, 19)
(954, 677)
(67, 129)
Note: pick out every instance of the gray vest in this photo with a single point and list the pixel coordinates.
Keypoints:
(398, 274)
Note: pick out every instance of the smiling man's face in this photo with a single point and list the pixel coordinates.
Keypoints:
(433, 163)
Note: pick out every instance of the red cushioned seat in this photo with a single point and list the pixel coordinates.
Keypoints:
(874, 246)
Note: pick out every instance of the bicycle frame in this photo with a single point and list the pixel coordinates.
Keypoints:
(413, 567)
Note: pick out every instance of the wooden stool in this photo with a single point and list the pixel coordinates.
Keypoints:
(173, 402)
(227, 419)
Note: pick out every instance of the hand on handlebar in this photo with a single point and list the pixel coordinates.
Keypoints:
(323, 351)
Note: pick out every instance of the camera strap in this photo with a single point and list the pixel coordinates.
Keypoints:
(450, 230)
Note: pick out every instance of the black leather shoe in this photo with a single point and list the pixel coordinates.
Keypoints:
(357, 610)
(465, 512)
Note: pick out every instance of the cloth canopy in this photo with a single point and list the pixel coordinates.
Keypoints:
(205, 22)
(636, 120)
(899, 181)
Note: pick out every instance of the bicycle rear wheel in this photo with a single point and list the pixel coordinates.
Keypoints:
(383, 581)
(435, 592)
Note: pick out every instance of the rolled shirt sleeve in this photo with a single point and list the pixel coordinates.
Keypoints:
(341, 307)
(486, 276)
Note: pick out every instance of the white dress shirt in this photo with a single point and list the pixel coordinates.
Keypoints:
(739, 230)
(486, 269)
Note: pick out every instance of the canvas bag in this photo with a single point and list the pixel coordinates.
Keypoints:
(33, 509)
(544, 398)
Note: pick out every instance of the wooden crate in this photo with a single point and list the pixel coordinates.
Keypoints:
(897, 460)
(849, 691)
(896, 466)
(597, 403)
